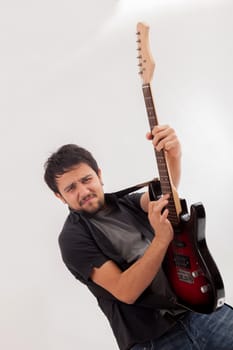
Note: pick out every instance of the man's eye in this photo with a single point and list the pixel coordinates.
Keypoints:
(86, 180)
(71, 188)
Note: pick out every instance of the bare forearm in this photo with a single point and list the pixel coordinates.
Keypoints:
(138, 277)
(174, 164)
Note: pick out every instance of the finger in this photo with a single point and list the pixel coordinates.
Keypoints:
(160, 139)
(157, 129)
(149, 136)
(164, 215)
(169, 145)
(162, 203)
(161, 129)
(162, 198)
(159, 132)
(157, 206)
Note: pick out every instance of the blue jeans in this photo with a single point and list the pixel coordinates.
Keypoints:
(197, 331)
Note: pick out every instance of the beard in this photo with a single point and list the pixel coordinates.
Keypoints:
(92, 207)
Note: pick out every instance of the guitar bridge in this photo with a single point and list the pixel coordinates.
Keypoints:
(185, 276)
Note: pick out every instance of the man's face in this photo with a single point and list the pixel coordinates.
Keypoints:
(81, 188)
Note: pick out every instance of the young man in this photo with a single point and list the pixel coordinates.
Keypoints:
(115, 244)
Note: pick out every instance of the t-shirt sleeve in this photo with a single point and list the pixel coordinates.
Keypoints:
(80, 253)
(135, 199)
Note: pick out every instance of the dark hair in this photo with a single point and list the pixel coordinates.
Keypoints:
(63, 160)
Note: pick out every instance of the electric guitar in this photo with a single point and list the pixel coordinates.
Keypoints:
(188, 264)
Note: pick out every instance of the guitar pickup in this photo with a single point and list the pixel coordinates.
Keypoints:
(179, 244)
(182, 261)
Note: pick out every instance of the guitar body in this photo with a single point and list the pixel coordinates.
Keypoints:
(189, 266)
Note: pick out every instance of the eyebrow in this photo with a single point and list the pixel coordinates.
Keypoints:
(68, 187)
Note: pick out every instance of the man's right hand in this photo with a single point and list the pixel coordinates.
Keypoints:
(159, 220)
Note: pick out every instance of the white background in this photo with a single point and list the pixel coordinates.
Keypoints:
(69, 74)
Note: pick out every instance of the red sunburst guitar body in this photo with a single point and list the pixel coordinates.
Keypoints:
(188, 264)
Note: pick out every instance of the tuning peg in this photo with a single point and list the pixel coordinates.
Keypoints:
(139, 49)
(139, 57)
(140, 72)
(138, 41)
(140, 65)
(138, 33)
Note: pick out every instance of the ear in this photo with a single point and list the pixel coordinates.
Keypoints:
(100, 176)
(58, 195)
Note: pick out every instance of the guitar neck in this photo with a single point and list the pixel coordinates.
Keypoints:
(165, 180)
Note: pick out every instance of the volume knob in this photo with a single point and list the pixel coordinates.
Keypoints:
(205, 288)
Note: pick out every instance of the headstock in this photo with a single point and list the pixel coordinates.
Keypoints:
(146, 61)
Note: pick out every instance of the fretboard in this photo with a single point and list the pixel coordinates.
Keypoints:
(160, 157)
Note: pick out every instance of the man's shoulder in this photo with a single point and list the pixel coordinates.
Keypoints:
(132, 200)
(73, 229)
(121, 197)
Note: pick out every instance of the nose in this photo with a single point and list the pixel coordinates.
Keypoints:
(83, 190)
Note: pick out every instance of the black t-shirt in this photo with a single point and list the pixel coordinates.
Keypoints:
(83, 246)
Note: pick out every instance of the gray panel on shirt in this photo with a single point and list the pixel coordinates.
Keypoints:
(121, 228)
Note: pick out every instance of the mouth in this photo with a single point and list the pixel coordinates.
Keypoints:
(87, 199)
